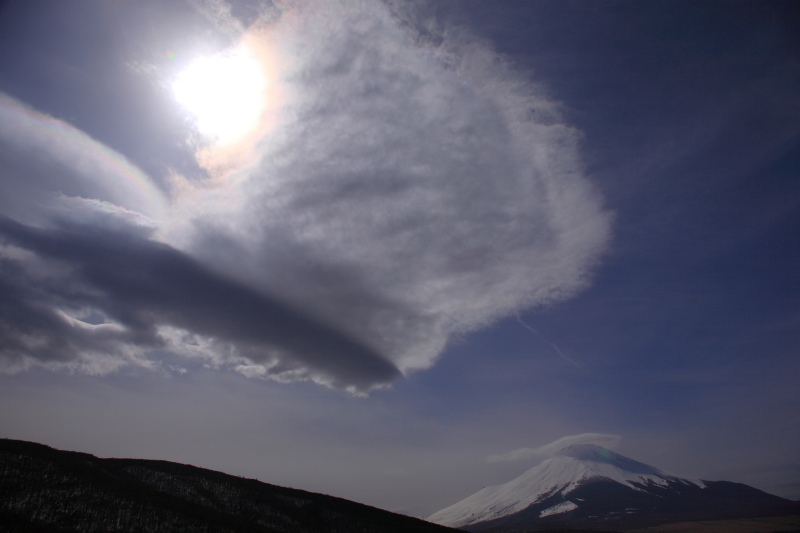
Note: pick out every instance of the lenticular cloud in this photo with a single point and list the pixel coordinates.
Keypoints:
(407, 189)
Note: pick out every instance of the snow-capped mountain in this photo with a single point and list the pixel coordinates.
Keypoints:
(591, 487)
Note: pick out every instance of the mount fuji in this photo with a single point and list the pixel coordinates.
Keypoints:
(589, 487)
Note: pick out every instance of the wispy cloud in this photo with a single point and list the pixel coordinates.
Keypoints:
(553, 345)
(43, 157)
(543, 452)
(407, 190)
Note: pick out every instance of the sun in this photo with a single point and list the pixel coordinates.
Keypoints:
(224, 92)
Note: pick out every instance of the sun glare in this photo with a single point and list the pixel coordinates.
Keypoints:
(224, 92)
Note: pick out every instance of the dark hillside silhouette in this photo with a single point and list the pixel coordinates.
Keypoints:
(44, 489)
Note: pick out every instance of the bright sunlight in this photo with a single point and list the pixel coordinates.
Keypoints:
(224, 92)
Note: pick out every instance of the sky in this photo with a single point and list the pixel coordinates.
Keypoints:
(398, 251)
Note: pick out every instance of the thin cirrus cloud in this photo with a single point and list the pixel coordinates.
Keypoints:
(407, 189)
(43, 158)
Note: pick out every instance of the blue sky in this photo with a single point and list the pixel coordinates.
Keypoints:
(459, 229)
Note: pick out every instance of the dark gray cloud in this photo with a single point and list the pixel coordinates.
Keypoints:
(139, 286)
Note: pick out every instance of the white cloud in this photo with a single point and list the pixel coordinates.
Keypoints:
(401, 190)
(548, 450)
(219, 12)
(405, 191)
(43, 157)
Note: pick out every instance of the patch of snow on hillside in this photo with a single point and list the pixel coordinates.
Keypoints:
(557, 509)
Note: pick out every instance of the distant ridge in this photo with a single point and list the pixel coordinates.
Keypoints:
(44, 489)
(590, 487)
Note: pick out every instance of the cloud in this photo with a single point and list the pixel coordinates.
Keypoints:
(548, 450)
(408, 190)
(43, 157)
(151, 296)
(404, 188)
(220, 13)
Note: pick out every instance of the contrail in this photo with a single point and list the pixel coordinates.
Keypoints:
(552, 345)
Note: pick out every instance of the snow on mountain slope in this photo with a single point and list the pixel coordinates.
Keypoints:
(569, 468)
(558, 509)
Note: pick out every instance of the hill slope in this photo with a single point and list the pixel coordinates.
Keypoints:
(44, 489)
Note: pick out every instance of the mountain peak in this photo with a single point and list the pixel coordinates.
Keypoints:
(585, 452)
(583, 448)
(598, 454)
(572, 467)
(588, 486)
